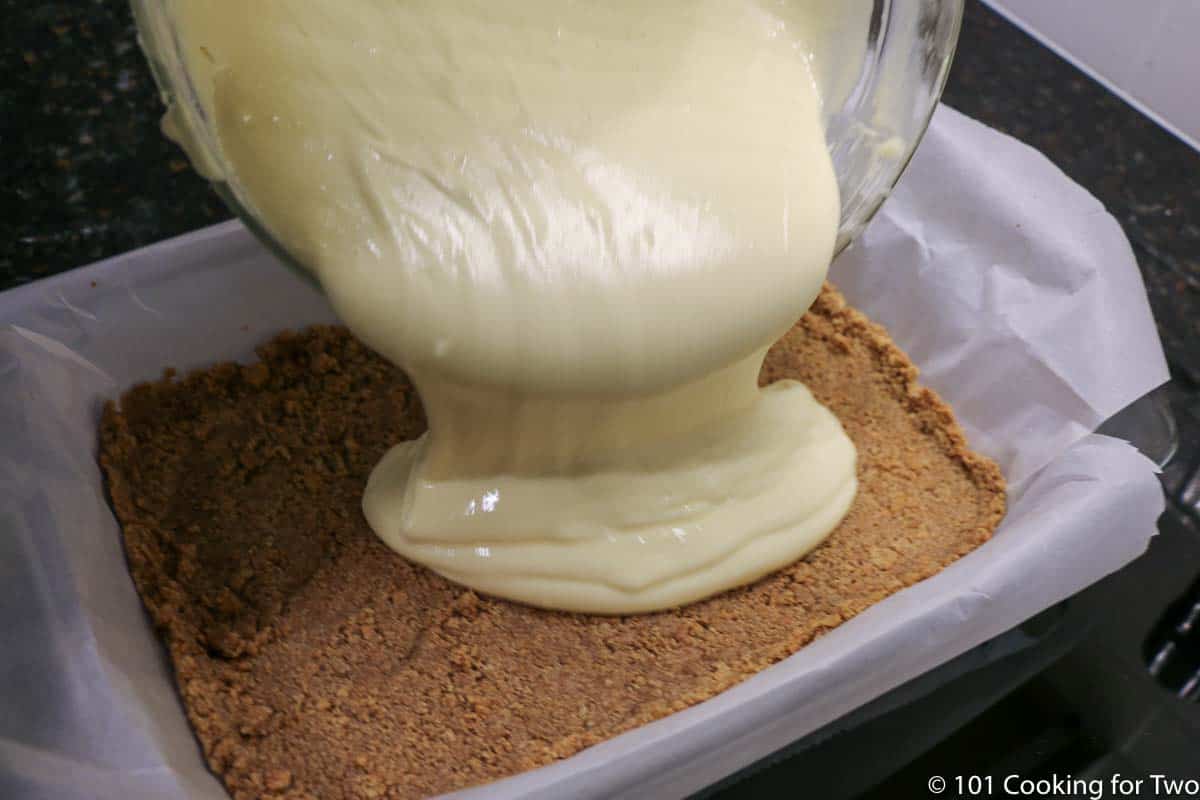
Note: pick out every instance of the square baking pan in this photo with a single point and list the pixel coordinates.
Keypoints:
(1010, 287)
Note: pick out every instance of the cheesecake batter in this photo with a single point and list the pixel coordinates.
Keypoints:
(577, 225)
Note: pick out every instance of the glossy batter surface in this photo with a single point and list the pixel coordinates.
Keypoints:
(577, 226)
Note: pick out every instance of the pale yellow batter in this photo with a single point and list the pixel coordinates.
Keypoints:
(577, 225)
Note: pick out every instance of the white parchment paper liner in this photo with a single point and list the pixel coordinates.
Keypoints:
(1010, 286)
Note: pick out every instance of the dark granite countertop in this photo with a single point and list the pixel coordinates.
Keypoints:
(85, 173)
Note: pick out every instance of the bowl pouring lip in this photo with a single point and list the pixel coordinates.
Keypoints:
(849, 230)
(179, 94)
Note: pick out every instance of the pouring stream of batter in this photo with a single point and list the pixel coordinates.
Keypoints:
(577, 225)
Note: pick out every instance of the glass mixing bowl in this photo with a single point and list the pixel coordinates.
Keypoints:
(876, 114)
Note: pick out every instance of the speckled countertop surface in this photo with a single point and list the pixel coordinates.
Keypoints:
(85, 173)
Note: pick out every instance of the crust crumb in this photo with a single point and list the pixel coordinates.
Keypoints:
(314, 662)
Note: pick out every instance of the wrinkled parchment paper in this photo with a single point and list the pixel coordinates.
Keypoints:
(1010, 286)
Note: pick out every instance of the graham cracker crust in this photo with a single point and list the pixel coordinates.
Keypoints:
(315, 663)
